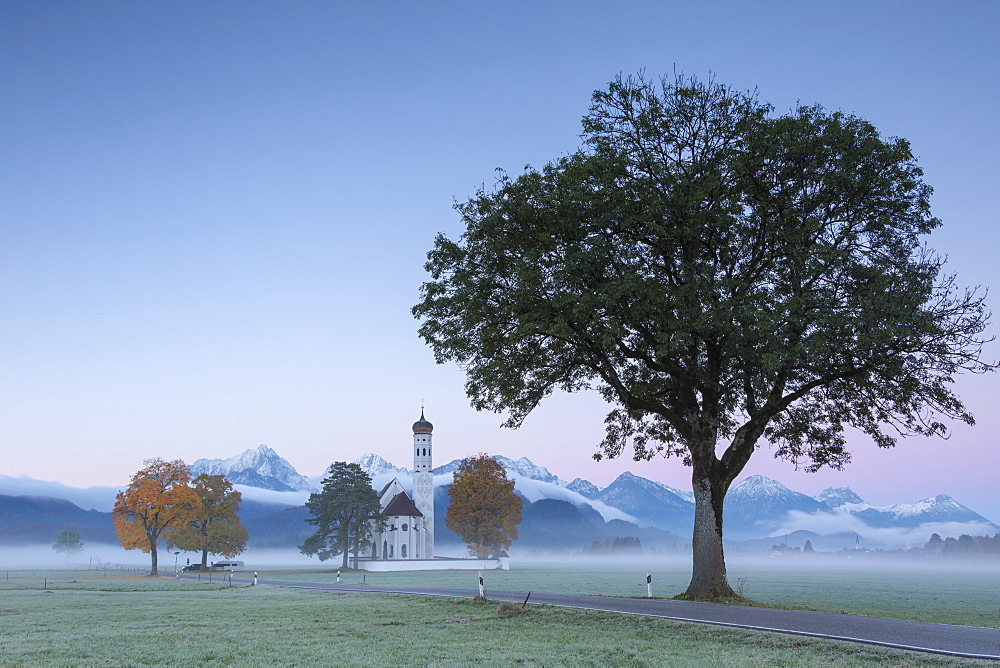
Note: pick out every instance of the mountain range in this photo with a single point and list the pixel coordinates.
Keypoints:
(557, 514)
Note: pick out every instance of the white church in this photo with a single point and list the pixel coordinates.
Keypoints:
(407, 541)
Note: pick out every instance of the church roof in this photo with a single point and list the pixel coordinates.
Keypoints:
(402, 506)
(422, 426)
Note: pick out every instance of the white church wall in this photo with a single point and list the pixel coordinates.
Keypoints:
(384, 566)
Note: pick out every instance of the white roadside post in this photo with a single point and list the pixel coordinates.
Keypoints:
(649, 585)
(255, 578)
(482, 589)
(338, 576)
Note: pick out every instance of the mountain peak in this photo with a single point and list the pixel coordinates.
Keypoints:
(374, 465)
(584, 487)
(526, 468)
(758, 484)
(258, 467)
(522, 468)
(835, 497)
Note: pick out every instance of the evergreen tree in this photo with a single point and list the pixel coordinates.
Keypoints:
(342, 512)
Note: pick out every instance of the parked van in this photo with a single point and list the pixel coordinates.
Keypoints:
(227, 565)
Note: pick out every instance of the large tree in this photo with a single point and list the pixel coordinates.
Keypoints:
(216, 529)
(483, 508)
(724, 276)
(343, 513)
(68, 542)
(157, 504)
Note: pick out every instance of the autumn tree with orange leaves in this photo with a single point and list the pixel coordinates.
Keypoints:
(484, 509)
(157, 503)
(216, 529)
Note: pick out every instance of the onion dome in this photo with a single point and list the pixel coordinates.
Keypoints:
(422, 426)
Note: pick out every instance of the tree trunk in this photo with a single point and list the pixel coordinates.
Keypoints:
(708, 575)
(152, 553)
(204, 560)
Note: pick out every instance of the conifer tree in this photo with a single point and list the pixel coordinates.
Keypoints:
(342, 512)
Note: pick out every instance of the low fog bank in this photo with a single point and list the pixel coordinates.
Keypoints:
(618, 562)
(94, 555)
(740, 563)
(89, 498)
(843, 527)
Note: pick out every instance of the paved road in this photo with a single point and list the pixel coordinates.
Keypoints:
(964, 641)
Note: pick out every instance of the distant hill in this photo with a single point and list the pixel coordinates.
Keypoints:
(37, 520)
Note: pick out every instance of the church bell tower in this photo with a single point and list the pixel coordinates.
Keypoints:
(423, 482)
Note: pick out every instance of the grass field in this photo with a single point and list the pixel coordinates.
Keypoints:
(917, 593)
(111, 618)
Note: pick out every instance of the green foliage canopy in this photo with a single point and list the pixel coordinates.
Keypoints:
(721, 275)
(343, 512)
(68, 542)
(216, 529)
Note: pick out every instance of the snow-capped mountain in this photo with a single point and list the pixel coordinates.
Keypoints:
(525, 468)
(835, 497)
(374, 465)
(651, 502)
(584, 488)
(941, 508)
(759, 504)
(259, 467)
(522, 468)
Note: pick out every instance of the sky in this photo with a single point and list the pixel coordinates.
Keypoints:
(214, 216)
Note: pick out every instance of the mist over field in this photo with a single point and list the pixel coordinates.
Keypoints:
(43, 557)
(840, 521)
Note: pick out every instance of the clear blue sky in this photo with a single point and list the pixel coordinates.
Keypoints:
(214, 215)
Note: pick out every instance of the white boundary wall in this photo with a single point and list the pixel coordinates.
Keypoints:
(385, 565)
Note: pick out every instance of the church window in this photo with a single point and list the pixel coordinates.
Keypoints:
(405, 527)
(402, 551)
(390, 551)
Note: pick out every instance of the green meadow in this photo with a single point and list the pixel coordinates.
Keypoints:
(113, 618)
(947, 594)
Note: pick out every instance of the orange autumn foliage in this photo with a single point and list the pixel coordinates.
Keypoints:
(484, 509)
(157, 504)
